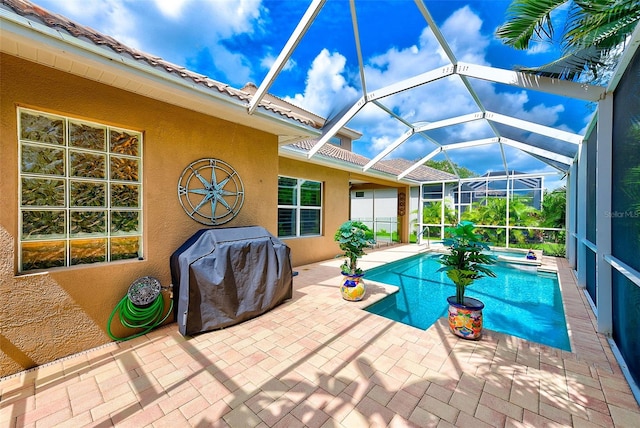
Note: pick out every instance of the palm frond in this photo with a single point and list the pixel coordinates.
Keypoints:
(593, 30)
(601, 23)
(570, 66)
(526, 18)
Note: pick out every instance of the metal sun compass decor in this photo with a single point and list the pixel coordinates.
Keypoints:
(210, 191)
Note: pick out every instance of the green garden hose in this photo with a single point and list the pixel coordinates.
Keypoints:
(133, 316)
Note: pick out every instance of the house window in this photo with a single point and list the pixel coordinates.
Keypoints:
(432, 191)
(299, 207)
(80, 192)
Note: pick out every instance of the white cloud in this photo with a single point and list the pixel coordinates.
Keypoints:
(542, 114)
(438, 100)
(462, 30)
(78, 7)
(268, 61)
(326, 87)
(330, 83)
(170, 8)
(111, 17)
(554, 182)
(225, 18)
(179, 31)
(202, 34)
(231, 64)
(540, 47)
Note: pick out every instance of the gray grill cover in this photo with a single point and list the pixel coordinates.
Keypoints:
(222, 277)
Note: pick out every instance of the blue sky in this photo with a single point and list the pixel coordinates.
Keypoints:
(236, 42)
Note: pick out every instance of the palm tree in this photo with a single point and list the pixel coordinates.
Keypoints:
(432, 213)
(592, 32)
(554, 208)
(492, 211)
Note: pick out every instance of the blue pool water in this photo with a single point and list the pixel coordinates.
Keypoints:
(519, 301)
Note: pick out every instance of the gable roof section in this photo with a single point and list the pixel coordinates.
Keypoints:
(87, 35)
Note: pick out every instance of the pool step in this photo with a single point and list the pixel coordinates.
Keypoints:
(547, 272)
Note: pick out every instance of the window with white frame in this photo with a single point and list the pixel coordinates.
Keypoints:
(80, 192)
(336, 141)
(299, 207)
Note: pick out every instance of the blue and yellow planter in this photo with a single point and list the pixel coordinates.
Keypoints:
(352, 288)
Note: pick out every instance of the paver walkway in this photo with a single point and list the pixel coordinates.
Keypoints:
(319, 361)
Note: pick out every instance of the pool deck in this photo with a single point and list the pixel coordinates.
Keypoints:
(319, 361)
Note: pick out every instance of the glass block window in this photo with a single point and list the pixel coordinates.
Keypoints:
(80, 192)
(299, 207)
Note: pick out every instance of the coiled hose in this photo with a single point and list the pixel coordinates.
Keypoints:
(133, 316)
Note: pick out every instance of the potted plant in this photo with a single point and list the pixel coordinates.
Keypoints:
(464, 263)
(353, 237)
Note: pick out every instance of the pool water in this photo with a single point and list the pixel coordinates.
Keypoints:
(519, 301)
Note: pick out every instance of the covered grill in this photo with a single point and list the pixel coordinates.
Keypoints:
(222, 277)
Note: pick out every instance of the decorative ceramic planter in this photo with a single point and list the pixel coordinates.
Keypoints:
(465, 321)
(352, 287)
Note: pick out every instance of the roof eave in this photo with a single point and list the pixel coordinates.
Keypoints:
(300, 154)
(32, 41)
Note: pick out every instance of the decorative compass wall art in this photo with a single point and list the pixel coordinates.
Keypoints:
(211, 191)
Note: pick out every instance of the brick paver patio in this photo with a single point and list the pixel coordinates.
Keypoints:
(319, 361)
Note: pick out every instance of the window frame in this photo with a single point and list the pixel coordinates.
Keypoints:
(69, 247)
(298, 207)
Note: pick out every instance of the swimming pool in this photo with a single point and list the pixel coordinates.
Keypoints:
(519, 301)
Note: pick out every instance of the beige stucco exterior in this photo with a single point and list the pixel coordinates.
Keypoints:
(336, 202)
(48, 315)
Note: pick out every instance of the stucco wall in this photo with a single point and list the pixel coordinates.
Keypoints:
(335, 212)
(49, 315)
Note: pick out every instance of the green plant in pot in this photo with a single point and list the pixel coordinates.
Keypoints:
(465, 262)
(353, 237)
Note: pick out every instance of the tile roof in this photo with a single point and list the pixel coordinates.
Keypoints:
(422, 173)
(36, 13)
(284, 105)
(392, 166)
